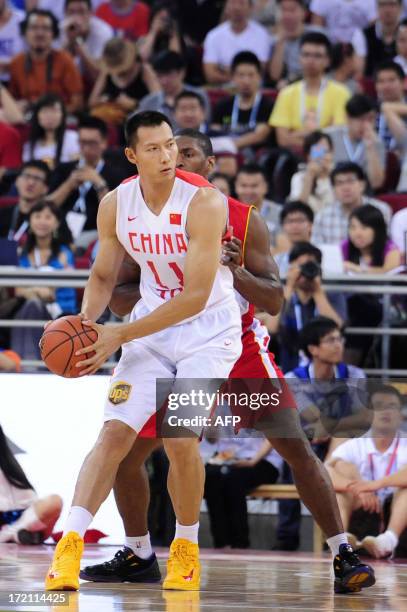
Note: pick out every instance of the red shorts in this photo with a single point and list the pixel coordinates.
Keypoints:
(255, 363)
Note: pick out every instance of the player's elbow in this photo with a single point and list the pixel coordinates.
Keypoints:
(274, 299)
(197, 301)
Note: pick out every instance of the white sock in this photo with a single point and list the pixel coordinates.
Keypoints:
(140, 545)
(389, 539)
(187, 532)
(78, 520)
(335, 542)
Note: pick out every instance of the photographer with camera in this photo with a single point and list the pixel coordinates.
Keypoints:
(305, 298)
(84, 36)
(163, 34)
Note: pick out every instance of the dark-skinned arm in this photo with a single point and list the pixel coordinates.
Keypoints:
(258, 281)
(127, 290)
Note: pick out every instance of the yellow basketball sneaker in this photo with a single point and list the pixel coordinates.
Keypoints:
(63, 575)
(183, 567)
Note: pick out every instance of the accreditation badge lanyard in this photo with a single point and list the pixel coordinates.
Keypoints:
(391, 460)
(303, 105)
(384, 131)
(234, 122)
(80, 204)
(354, 153)
(17, 234)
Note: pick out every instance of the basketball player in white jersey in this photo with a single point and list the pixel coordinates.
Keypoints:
(187, 326)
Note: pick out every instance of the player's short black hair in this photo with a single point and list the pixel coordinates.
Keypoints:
(375, 388)
(143, 119)
(94, 123)
(316, 38)
(246, 57)
(40, 13)
(203, 140)
(189, 93)
(305, 248)
(314, 138)
(359, 105)
(252, 169)
(314, 331)
(39, 165)
(296, 206)
(390, 65)
(348, 168)
(167, 61)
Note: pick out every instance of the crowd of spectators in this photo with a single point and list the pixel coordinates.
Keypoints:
(305, 104)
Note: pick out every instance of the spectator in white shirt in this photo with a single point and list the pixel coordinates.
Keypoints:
(24, 519)
(380, 452)
(84, 36)
(343, 17)
(11, 41)
(238, 33)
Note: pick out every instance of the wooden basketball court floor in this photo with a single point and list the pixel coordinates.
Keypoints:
(238, 581)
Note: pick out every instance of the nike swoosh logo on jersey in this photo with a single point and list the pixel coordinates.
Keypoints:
(131, 218)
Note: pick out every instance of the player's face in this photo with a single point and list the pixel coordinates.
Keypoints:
(330, 349)
(191, 157)
(386, 412)
(154, 153)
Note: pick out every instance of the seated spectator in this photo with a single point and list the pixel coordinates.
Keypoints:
(170, 68)
(379, 38)
(10, 149)
(264, 12)
(368, 248)
(41, 68)
(122, 82)
(344, 67)
(312, 183)
(226, 162)
(32, 187)
(395, 116)
(328, 396)
(197, 18)
(401, 57)
(342, 18)
(349, 183)
(10, 362)
(244, 116)
(284, 64)
(296, 220)
(222, 182)
(11, 42)
(359, 142)
(163, 33)
(251, 187)
(43, 250)
(189, 111)
(398, 231)
(240, 465)
(24, 518)
(10, 111)
(77, 187)
(312, 103)
(84, 36)
(382, 451)
(128, 18)
(50, 140)
(238, 33)
(305, 298)
(389, 81)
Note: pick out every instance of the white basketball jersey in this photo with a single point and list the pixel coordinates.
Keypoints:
(159, 243)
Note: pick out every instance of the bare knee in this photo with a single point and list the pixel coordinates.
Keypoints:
(181, 450)
(115, 439)
(49, 506)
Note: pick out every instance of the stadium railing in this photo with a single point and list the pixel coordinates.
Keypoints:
(385, 286)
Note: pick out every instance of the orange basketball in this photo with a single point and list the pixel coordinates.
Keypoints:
(60, 341)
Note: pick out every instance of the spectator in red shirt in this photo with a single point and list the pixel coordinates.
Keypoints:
(128, 17)
(10, 148)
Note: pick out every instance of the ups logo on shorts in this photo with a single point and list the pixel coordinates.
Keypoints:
(119, 393)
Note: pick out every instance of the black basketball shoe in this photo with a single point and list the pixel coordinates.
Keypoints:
(124, 567)
(351, 576)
